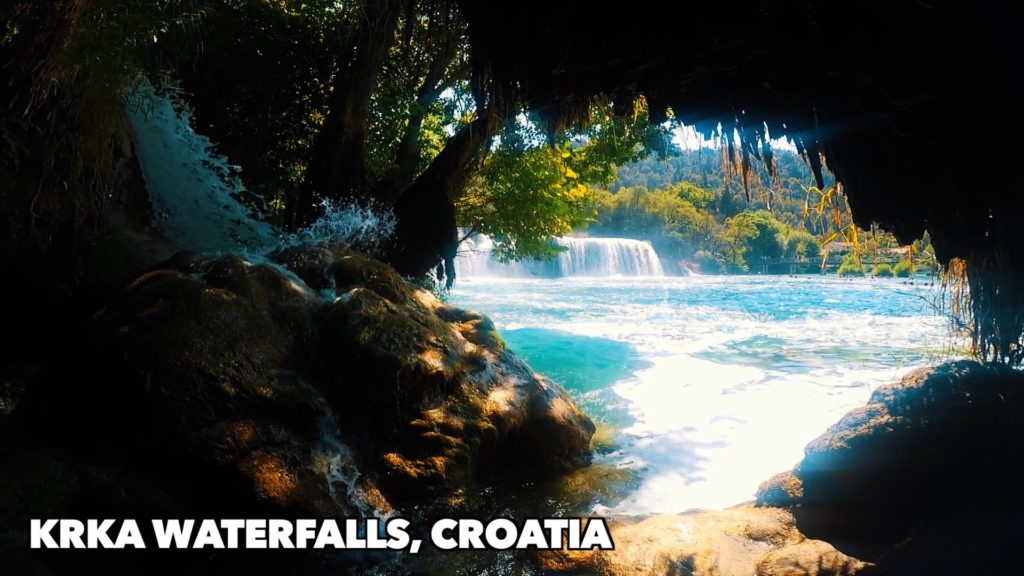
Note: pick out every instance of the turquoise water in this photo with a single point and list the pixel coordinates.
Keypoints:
(712, 384)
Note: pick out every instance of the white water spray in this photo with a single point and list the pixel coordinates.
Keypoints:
(200, 201)
(593, 257)
(196, 193)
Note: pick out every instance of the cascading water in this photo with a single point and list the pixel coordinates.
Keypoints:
(593, 257)
(195, 192)
(341, 472)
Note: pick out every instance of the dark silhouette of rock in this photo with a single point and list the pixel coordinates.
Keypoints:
(225, 388)
(927, 465)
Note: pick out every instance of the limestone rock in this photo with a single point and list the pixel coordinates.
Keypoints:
(739, 541)
(432, 392)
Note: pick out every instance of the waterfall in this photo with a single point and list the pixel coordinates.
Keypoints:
(196, 193)
(595, 257)
(341, 473)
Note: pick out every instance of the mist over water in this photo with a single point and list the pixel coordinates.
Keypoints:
(712, 383)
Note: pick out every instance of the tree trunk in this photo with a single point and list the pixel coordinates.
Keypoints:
(426, 236)
(337, 169)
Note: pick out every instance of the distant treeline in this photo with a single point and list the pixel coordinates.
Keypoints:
(697, 213)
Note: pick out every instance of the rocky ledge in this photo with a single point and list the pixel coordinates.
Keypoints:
(923, 479)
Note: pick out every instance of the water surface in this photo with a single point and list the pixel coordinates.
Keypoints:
(712, 384)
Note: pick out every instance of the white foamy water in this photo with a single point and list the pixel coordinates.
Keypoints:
(714, 383)
(199, 200)
(588, 257)
(196, 193)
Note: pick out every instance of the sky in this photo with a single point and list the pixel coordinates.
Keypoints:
(688, 139)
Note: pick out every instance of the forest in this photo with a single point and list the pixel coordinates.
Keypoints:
(698, 215)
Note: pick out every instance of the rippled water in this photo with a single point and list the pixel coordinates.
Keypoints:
(712, 384)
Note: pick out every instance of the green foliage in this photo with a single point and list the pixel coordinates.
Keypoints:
(531, 190)
(700, 198)
(881, 270)
(802, 246)
(903, 269)
(760, 233)
(714, 226)
(672, 222)
(67, 68)
(851, 266)
(250, 45)
(522, 200)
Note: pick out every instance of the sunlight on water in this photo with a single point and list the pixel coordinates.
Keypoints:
(713, 383)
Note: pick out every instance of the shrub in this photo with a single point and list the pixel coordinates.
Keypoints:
(881, 270)
(903, 269)
(851, 266)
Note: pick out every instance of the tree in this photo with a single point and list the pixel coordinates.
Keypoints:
(531, 189)
(373, 102)
(754, 237)
(523, 200)
(802, 246)
(851, 266)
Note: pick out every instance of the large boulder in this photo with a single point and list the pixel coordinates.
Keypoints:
(897, 477)
(430, 393)
(239, 384)
(189, 375)
(740, 541)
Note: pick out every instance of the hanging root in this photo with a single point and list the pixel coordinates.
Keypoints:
(985, 300)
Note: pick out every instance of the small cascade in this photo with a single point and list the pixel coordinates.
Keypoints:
(593, 257)
(200, 201)
(196, 193)
(341, 472)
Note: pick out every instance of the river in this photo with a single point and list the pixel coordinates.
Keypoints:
(708, 385)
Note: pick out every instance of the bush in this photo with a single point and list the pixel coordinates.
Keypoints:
(881, 270)
(851, 266)
(903, 269)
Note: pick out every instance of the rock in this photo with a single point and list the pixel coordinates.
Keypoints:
(187, 377)
(783, 490)
(433, 393)
(239, 374)
(943, 443)
(224, 388)
(808, 558)
(739, 541)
